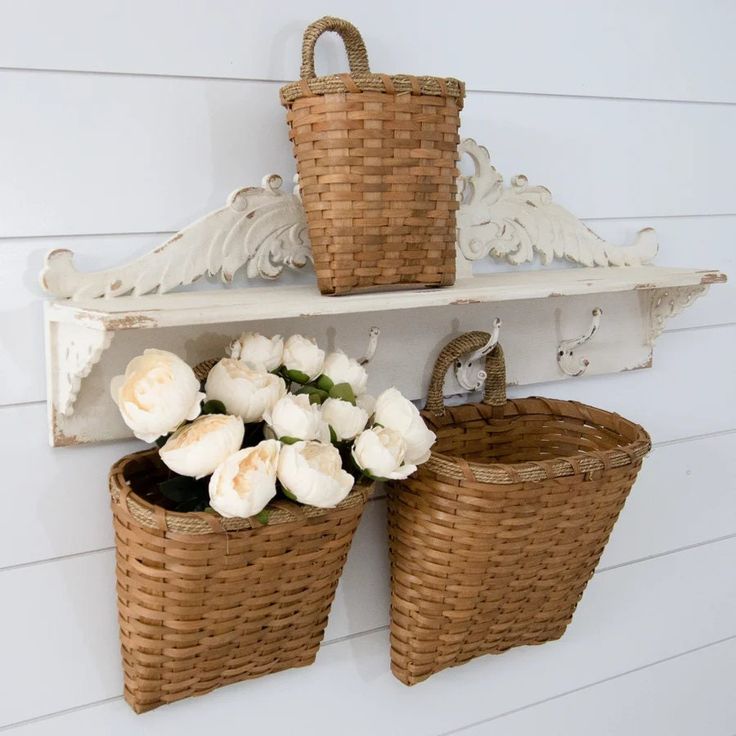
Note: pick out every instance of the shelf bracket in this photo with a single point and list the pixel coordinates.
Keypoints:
(669, 302)
(73, 350)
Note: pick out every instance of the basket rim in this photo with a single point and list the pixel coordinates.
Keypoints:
(447, 466)
(282, 511)
(392, 84)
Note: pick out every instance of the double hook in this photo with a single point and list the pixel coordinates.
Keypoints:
(569, 364)
(469, 369)
(470, 373)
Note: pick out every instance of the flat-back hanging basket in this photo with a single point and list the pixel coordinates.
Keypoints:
(377, 163)
(205, 601)
(494, 539)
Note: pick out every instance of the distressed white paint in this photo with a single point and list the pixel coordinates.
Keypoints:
(265, 229)
(200, 317)
(520, 222)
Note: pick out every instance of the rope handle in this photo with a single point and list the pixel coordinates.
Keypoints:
(494, 392)
(354, 45)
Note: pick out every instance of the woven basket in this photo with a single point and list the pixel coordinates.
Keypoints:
(377, 163)
(494, 539)
(205, 601)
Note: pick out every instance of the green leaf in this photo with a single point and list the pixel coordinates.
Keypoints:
(161, 441)
(297, 376)
(289, 440)
(316, 395)
(288, 494)
(325, 383)
(343, 391)
(213, 406)
(262, 516)
(333, 435)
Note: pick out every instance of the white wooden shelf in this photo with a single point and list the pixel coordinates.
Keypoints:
(263, 303)
(602, 316)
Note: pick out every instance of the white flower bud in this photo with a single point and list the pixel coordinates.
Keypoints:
(380, 453)
(346, 420)
(302, 356)
(294, 416)
(198, 448)
(158, 392)
(339, 368)
(313, 474)
(245, 392)
(258, 351)
(244, 483)
(396, 412)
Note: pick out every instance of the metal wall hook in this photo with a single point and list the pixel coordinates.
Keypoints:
(469, 369)
(569, 364)
(370, 351)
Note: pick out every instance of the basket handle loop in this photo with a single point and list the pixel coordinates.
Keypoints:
(354, 45)
(494, 392)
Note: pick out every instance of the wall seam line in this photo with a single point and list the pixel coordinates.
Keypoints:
(618, 676)
(258, 80)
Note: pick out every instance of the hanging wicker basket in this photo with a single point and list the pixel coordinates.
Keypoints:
(494, 539)
(377, 163)
(206, 601)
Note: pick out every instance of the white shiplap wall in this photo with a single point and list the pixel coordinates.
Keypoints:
(123, 121)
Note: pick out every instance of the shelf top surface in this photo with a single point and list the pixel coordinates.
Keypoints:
(260, 303)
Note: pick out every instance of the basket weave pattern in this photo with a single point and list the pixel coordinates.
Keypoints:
(201, 605)
(377, 163)
(495, 538)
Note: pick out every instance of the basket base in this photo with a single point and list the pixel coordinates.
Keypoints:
(141, 703)
(412, 674)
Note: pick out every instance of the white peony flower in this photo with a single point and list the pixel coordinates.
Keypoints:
(367, 403)
(244, 483)
(245, 392)
(346, 420)
(258, 351)
(303, 358)
(396, 412)
(158, 392)
(339, 368)
(198, 448)
(294, 416)
(313, 474)
(380, 452)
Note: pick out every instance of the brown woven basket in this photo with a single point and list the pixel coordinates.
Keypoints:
(377, 163)
(494, 539)
(205, 601)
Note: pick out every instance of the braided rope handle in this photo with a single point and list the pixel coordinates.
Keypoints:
(494, 392)
(354, 45)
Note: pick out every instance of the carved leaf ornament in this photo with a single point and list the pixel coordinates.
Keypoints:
(264, 229)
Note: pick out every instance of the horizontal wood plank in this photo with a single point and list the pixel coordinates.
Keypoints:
(659, 49)
(694, 242)
(119, 154)
(630, 617)
(692, 694)
(683, 496)
(689, 390)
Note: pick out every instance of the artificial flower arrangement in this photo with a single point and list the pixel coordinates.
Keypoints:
(275, 416)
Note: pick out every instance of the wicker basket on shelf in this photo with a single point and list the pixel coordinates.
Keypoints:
(377, 163)
(494, 539)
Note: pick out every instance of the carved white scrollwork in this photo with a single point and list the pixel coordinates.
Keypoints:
(666, 303)
(517, 222)
(82, 349)
(264, 229)
(261, 228)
